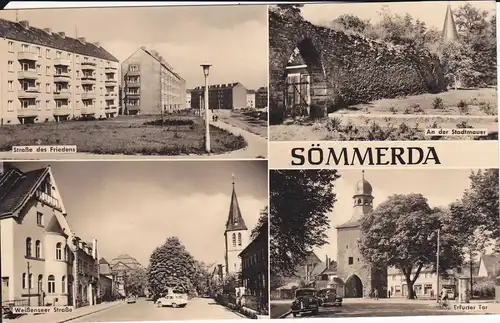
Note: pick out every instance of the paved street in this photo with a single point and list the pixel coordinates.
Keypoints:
(372, 308)
(197, 309)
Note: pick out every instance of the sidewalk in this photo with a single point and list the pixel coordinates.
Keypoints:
(63, 317)
(257, 145)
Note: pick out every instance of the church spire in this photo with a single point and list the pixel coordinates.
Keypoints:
(235, 220)
(450, 33)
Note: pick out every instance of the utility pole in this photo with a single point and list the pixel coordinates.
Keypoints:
(29, 282)
(437, 265)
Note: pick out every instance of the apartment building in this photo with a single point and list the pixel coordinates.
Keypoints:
(221, 96)
(188, 98)
(42, 260)
(150, 84)
(250, 99)
(47, 76)
(261, 98)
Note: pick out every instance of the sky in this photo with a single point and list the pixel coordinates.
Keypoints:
(133, 207)
(430, 12)
(440, 187)
(231, 38)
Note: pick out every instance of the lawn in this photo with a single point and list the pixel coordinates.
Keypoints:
(246, 121)
(402, 118)
(124, 135)
(278, 309)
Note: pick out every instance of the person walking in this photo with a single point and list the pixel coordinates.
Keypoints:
(375, 294)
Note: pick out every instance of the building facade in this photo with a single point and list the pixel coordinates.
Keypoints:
(236, 236)
(251, 99)
(121, 266)
(47, 76)
(188, 99)
(150, 85)
(43, 261)
(105, 280)
(221, 96)
(261, 98)
(359, 277)
(255, 266)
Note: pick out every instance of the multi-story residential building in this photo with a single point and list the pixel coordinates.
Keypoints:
(150, 84)
(47, 76)
(250, 99)
(222, 96)
(105, 280)
(261, 98)
(188, 98)
(254, 273)
(42, 260)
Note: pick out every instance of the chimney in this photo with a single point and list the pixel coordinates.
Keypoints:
(25, 23)
(326, 261)
(81, 39)
(94, 248)
(48, 30)
(97, 44)
(62, 34)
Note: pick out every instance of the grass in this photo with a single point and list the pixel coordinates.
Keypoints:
(124, 135)
(246, 121)
(401, 119)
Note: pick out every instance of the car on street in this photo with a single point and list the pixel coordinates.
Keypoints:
(131, 300)
(329, 297)
(172, 300)
(305, 302)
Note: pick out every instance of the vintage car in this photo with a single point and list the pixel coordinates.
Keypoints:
(172, 300)
(131, 299)
(305, 302)
(329, 297)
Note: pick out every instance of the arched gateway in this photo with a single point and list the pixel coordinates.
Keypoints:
(353, 287)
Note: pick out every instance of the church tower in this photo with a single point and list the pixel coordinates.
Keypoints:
(359, 277)
(236, 236)
(450, 33)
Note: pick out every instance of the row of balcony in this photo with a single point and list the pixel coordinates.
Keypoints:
(33, 93)
(60, 111)
(60, 77)
(28, 56)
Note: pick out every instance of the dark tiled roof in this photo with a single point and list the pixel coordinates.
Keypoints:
(350, 224)
(235, 220)
(216, 87)
(262, 89)
(103, 261)
(16, 31)
(15, 187)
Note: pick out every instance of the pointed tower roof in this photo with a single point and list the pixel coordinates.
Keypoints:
(450, 33)
(235, 220)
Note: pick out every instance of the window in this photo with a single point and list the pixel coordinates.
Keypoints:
(37, 104)
(11, 46)
(11, 86)
(39, 69)
(63, 285)
(69, 55)
(47, 53)
(39, 51)
(58, 54)
(47, 87)
(51, 284)
(351, 260)
(459, 270)
(28, 247)
(10, 105)
(77, 74)
(11, 66)
(47, 105)
(347, 246)
(47, 70)
(39, 218)
(30, 281)
(59, 251)
(239, 239)
(23, 283)
(40, 283)
(38, 249)
(234, 239)
(25, 48)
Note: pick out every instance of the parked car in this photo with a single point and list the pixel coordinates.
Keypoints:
(131, 299)
(329, 297)
(305, 302)
(173, 300)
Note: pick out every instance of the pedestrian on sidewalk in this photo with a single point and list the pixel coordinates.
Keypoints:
(415, 294)
(388, 294)
(375, 294)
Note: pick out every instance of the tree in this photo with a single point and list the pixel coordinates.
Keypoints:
(402, 232)
(262, 223)
(171, 268)
(300, 201)
(135, 282)
(201, 278)
(230, 283)
(351, 22)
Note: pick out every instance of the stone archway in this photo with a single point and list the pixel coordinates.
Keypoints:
(353, 287)
(306, 84)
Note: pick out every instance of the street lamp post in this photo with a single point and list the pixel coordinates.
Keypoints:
(437, 264)
(206, 68)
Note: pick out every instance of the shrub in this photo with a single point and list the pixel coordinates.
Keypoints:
(170, 122)
(438, 103)
(463, 107)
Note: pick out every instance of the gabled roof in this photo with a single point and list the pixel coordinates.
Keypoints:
(162, 62)
(103, 261)
(216, 87)
(352, 223)
(491, 263)
(235, 220)
(16, 31)
(125, 260)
